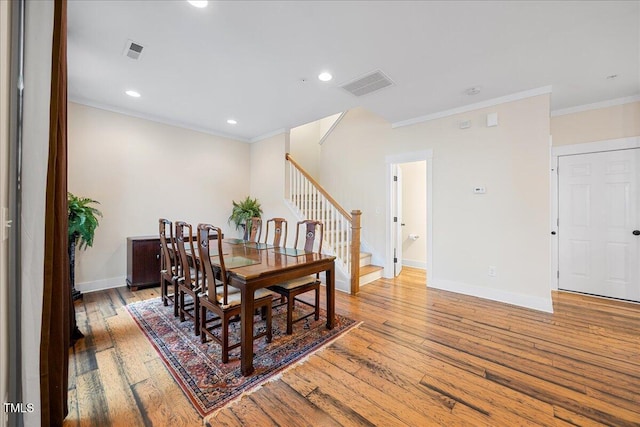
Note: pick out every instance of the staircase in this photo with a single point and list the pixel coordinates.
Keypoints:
(341, 228)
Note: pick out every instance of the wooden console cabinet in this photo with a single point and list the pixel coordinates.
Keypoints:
(143, 261)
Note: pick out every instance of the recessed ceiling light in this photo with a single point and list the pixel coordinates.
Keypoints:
(232, 122)
(198, 3)
(473, 90)
(324, 76)
(133, 93)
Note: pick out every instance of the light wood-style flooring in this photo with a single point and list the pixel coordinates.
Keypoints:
(422, 357)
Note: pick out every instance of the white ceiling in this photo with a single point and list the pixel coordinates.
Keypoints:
(247, 59)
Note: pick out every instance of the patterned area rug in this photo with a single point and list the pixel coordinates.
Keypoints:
(207, 382)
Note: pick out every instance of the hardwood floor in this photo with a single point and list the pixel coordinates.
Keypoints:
(421, 357)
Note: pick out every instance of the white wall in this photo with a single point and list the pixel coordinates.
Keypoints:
(304, 143)
(4, 195)
(267, 180)
(305, 148)
(619, 121)
(326, 124)
(414, 213)
(506, 228)
(352, 169)
(141, 170)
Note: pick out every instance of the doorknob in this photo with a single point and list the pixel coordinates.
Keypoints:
(636, 232)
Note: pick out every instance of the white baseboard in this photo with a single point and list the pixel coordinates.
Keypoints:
(414, 263)
(99, 285)
(527, 301)
(341, 284)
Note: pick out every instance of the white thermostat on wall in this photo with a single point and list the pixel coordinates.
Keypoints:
(479, 190)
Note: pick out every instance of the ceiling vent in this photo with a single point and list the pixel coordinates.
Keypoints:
(133, 50)
(368, 83)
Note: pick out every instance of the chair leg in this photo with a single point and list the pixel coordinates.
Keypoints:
(181, 299)
(224, 333)
(317, 316)
(175, 300)
(269, 318)
(203, 323)
(196, 315)
(163, 291)
(290, 303)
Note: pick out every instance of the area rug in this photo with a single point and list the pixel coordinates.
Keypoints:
(207, 382)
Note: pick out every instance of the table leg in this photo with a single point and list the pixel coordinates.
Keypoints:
(331, 296)
(246, 328)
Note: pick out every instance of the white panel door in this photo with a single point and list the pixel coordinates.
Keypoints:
(598, 230)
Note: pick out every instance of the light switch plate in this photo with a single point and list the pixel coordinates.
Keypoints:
(492, 119)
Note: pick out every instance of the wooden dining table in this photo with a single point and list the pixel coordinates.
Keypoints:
(252, 266)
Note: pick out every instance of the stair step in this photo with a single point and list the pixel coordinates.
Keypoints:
(369, 269)
(365, 259)
(369, 273)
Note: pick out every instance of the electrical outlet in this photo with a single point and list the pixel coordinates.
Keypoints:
(492, 271)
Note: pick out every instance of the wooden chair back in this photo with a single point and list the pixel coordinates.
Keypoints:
(253, 229)
(167, 246)
(187, 261)
(215, 294)
(279, 224)
(312, 230)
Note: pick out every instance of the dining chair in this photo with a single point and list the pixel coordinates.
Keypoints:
(223, 301)
(168, 264)
(189, 281)
(253, 229)
(313, 231)
(279, 230)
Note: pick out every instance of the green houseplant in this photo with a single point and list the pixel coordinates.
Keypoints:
(243, 210)
(83, 221)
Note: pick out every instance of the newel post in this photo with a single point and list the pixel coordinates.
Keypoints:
(355, 251)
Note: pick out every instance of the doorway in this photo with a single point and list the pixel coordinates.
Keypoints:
(410, 217)
(409, 213)
(598, 218)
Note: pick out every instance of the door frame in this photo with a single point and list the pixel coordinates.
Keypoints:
(396, 214)
(390, 161)
(567, 150)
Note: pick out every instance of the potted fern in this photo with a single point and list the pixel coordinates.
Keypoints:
(83, 221)
(243, 210)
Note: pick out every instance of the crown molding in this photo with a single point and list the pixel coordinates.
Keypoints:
(152, 118)
(268, 135)
(596, 105)
(484, 104)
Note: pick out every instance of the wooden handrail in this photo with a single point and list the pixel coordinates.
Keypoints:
(319, 187)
